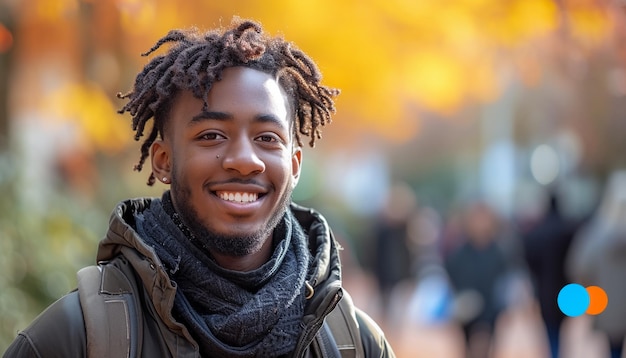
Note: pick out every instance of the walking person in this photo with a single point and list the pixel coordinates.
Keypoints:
(597, 257)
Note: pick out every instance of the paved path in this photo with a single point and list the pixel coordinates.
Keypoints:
(519, 332)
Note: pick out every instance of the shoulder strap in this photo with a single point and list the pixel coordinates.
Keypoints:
(107, 305)
(345, 329)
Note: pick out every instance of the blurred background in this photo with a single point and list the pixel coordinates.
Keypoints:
(460, 121)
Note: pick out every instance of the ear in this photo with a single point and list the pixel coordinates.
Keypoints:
(161, 161)
(296, 166)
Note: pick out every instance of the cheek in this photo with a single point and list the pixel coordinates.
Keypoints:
(289, 166)
(279, 170)
(290, 180)
(192, 166)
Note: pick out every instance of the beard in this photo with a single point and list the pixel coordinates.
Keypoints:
(235, 245)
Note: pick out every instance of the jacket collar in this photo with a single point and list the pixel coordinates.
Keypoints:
(324, 273)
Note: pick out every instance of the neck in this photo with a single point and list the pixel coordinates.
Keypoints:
(247, 262)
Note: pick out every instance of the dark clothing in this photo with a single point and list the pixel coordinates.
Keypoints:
(478, 269)
(545, 249)
(393, 257)
(60, 330)
(615, 351)
(232, 313)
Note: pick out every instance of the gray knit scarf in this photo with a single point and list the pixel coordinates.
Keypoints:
(229, 313)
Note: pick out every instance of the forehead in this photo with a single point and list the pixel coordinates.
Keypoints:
(241, 93)
(249, 87)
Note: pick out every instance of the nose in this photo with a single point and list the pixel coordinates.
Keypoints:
(242, 157)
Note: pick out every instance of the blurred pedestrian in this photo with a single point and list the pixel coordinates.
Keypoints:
(546, 243)
(597, 257)
(476, 269)
(393, 257)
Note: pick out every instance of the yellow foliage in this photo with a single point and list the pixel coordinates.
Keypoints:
(383, 53)
(138, 15)
(434, 80)
(588, 24)
(523, 20)
(440, 55)
(53, 10)
(97, 124)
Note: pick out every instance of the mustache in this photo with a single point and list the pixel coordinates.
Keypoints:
(236, 181)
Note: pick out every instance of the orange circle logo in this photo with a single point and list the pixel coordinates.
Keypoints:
(598, 300)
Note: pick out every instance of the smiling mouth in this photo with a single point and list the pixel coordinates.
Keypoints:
(237, 197)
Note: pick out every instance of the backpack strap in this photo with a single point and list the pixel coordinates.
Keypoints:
(345, 329)
(106, 300)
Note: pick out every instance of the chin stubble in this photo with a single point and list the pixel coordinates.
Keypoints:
(223, 243)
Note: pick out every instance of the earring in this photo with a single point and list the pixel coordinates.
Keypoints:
(165, 179)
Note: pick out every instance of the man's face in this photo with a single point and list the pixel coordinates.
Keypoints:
(233, 168)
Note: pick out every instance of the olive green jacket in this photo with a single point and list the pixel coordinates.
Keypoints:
(60, 331)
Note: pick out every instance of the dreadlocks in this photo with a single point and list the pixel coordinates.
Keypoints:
(195, 61)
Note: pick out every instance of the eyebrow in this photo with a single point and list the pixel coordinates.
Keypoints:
(210, 115)
(222, 116)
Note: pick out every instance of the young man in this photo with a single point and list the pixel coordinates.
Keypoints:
(224, 264)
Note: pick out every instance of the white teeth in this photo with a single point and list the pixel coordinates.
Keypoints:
(238, 197)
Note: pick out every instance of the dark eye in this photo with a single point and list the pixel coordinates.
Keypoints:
(267, 138)
(211, 136)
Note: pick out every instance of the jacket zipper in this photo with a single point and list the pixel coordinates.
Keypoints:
(311, 330)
